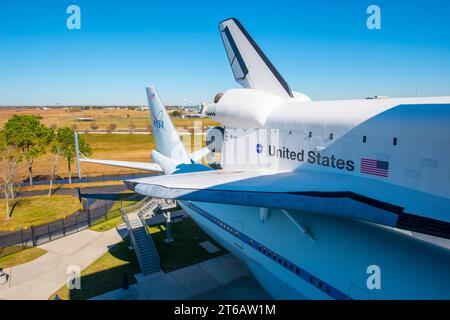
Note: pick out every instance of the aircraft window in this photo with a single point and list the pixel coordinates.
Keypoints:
(285, 264)
(259, 248)
(297, 270)
(310, 134)
(364, 139)
(269, 254)
(394, 141)
(328, 289)
(331, 136)
(291, 267)
(320, 284)
(279, 260)
(311, 279)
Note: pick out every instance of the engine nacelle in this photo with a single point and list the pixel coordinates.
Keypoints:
(244, 108)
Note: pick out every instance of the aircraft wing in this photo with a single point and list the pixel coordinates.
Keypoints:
(126, 164)
(335, 194)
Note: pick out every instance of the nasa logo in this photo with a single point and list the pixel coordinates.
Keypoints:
(158, 123)
(259, 148)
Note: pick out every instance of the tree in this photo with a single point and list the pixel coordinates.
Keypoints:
(111, 127)
(65, 142)
(9, 158)
(176, 113)
(57, 149)
(27, 135)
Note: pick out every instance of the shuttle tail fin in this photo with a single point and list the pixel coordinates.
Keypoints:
(251, 68)
(167, 140)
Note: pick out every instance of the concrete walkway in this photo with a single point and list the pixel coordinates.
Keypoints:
(40, 278)
(224, 277)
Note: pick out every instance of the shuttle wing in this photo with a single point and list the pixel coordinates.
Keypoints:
(318, 192)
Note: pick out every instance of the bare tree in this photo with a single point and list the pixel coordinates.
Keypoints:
(9, 158)
(58, 152)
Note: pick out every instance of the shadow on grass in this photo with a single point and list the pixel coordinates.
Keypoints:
(16, 202)
(185, 250)
(105, 274)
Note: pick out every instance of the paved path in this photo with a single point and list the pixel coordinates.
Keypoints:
(40, 278)
(224, 277)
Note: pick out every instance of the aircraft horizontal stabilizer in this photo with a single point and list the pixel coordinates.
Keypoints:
(126, 164)
(199, 154)
(323, 193)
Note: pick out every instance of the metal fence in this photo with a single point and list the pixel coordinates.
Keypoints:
(93, 177)
(11, 242)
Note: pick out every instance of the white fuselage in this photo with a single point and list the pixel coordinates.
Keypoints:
(412, 134)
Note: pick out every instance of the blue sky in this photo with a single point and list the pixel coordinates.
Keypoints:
(322, 48)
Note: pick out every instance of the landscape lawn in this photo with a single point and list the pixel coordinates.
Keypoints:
(185, 250)
(119, 142)
(19, 256)
(105, 274)
(107, 224)
(28, 211)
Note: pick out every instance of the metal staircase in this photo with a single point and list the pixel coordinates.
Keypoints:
(142, 243)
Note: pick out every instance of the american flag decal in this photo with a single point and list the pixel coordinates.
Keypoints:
(374, 167)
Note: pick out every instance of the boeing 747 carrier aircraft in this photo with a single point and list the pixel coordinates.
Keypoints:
(316, 197)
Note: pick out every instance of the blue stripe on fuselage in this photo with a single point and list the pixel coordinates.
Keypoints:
(290, 266)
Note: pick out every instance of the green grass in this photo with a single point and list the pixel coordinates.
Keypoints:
(19, 256)
(37, 210)
(119, 142)
(108, 224)
(185, 249)
(105, 274)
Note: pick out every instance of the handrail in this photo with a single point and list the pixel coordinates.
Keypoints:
(133, 240)
(150, 238)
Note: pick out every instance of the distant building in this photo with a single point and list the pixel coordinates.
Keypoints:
(377, 97)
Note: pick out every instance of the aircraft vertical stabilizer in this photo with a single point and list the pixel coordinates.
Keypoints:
(167, 140)
(251, 68)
